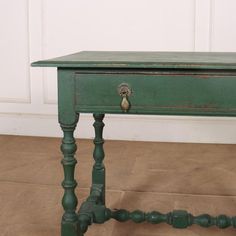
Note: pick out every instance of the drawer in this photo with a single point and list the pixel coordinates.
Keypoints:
(157, 93)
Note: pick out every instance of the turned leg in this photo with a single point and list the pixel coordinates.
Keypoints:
(69, 201)
(98, 176)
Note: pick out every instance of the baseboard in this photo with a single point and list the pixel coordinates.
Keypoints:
(120, 127)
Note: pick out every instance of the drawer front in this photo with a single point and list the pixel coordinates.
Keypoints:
(170, 94)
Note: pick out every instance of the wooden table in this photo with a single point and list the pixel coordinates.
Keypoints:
(168, 83)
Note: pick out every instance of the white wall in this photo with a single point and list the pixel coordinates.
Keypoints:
(34, 30)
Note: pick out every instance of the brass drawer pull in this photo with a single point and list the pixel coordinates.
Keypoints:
(124, 91)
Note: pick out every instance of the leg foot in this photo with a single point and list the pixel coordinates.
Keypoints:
(70, 229)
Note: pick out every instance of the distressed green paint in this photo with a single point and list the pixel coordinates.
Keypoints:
(68, 119)
(177, 60)
(178, 218)
(169, 83)
(98, 175)
(93, 210)
(66, 97)
(69, 201)
(179, 94)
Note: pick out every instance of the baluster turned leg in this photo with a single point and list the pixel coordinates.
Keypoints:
(68, 147)
(98, 176)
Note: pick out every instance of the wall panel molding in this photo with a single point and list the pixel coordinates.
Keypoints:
(203, 25)
(15, 100)
(36, 50)
(6, 64)
(212, 22)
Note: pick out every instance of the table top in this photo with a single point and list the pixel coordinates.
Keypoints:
(125, 59)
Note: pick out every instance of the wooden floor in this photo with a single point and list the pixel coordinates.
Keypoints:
(199, 178)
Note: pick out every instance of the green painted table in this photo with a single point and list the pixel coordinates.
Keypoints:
(168, 83)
